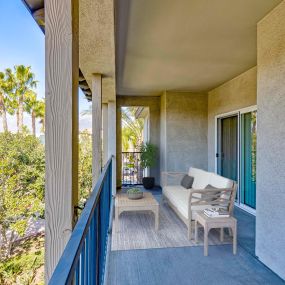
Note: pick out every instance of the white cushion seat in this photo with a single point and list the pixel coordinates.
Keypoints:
(179, 196)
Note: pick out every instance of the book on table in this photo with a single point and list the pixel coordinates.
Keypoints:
(216, 213)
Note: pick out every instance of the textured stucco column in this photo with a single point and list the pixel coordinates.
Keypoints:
(119, 146)
(96, 127)
(270, 192)
(61, 143)
(112, 140)
(105, 133)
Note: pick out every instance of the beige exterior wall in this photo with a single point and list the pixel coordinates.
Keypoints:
(270, 221)
(154, 124)
(235, 94)
(183, 131)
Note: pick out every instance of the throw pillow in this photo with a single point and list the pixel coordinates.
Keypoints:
(209, 186)
(187, 181)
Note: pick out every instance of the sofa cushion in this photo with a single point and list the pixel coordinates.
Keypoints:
(201, 178)
(219, 181)
(179, 198)
(187, 181)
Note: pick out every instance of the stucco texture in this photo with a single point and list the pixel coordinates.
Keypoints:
(270, 217)
(233, 95)
(184, 131)
(154, 114)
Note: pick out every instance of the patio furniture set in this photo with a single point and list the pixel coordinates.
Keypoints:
(198, 190)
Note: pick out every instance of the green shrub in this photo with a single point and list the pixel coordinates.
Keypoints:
(22, 170)
(148, 155)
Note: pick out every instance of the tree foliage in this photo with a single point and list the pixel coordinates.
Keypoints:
(132, 129)
(85, 166)
(17, 95)
(22, 171)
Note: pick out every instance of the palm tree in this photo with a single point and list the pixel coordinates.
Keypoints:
(35, 108)
(131, 127)
(3, 111)
(40, 113)
(23, 81)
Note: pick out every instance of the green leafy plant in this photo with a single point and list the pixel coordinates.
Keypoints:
(85, 166)
(148, 155)
(133, 191)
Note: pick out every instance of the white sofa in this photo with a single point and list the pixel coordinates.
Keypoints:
(186, 201)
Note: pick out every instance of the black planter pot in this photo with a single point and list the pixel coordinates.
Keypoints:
(148, 182)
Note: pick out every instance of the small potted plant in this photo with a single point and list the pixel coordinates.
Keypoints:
(134, 194)
(148, 160)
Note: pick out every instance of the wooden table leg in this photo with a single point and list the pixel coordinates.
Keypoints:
(196, 231)
(235, 238)
(206, 231)
(156, 217)
(221, 234)
(116, 219)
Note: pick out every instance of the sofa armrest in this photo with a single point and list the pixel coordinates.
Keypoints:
(220, 197)
(166, 175)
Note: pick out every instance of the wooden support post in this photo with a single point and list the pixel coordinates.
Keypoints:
(105, 132)
(61, 143)
(96, 127)
(112, 140)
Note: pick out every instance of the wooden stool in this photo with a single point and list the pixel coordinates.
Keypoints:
(213, 223)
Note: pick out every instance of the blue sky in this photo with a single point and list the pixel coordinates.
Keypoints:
(22, 42)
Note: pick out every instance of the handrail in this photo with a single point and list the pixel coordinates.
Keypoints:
(84, 235)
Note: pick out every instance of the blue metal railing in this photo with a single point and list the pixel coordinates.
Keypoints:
(85, 256)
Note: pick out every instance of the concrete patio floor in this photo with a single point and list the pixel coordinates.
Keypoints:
(187, 265)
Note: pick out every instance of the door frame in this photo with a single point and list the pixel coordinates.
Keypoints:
(237, 113)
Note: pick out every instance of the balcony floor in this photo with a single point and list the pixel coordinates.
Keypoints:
(187, 265)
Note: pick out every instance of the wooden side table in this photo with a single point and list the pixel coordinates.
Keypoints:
(147, 203)
(211, 223)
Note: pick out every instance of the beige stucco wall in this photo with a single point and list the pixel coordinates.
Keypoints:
(270, 204)
(235, 94)
(183, 131)
(154, 124)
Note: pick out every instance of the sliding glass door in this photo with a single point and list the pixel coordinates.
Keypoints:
(236, 153)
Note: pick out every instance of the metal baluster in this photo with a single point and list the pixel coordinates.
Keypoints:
(76, 278)
(92, 252)
(86, 260)
(96, 217)
(82, 265)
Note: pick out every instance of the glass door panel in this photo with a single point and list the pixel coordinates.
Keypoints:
(248, 159)
(228, 153)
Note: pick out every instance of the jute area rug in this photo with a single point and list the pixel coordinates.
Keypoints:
(137, 231)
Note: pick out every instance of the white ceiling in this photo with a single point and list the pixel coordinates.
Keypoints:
(187, 45)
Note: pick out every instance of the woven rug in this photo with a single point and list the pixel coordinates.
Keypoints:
(137, 231)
